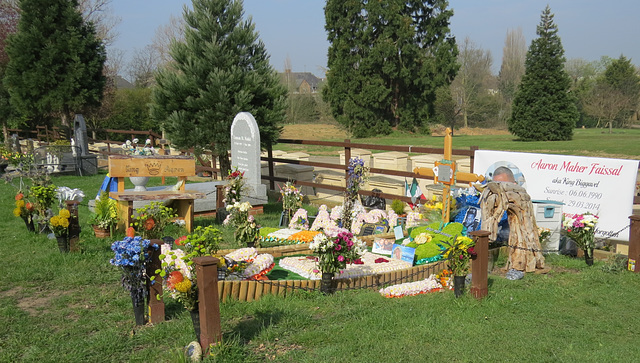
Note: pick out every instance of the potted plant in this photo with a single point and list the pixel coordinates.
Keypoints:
(151, 220)
(105, 215)
(334, 252)
(291, 201)
(459, 252)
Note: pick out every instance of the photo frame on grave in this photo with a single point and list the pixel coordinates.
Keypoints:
(369, 229)
(382, 246)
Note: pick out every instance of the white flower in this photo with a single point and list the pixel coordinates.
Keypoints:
(148, 142)
(135, 141)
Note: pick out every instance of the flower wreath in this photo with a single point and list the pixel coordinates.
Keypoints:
(430, 284)
(243, 254)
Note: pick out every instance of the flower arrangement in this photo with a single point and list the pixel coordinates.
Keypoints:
(151, 220)
(291, 199)
(43, 198)
(178, 270)
(235, 187)
(581, 229)
(444, 277)
(543, 235)
(132, 148)
(335, 252)
(389, 218)
(431, 284)
(357, 176)
(59, 223)
(247, 230)
(15, 158)
(131, 255)
(303, 236)
(105, 212)
(300, 220)
(23, 209)
(65, 193)
(459, 252)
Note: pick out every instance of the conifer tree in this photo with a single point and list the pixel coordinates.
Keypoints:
(543, 108)
(221, 68)
(386, 60)
(55, 61)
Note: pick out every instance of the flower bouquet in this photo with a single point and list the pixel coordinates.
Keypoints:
(581, 229)
(43, 198)
(24, 210)
(247, 230)
(291, 199)
(459, 252)
(59, 225)
(357, 176)
(334, 252)
(235, 187)
(131, 147)
(132, 255)
(151, 220)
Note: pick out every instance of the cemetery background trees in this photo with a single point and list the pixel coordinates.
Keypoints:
(221, 68)
(543, 108)
(386, 60)
(511, 69)
(55, 61)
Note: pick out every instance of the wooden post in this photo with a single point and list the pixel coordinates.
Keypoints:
(156, 304)
(634, 244)
(208, 301)
(479, 265)
(74, 225)
(347, 157)
(272, 183)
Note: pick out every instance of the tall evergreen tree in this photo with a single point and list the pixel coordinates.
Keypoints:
(56, 61)
(221, 68)
(386, 61)
(543, 108)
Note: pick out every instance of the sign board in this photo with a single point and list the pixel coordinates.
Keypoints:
(602, 186)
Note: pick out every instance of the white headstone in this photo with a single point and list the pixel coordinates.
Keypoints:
(245, 153)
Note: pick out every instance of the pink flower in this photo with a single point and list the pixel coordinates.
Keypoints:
(338, 247)
(340, 258)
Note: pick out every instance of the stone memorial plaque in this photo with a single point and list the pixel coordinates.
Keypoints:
(245, 153)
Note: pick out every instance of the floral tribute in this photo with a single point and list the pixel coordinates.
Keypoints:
(459, 252)
(300, 219)
(59, 223)
(334, 252)
(357, 176)
(43, 198)
(131, 147)
(151, 220)
(23, 209)
(581, 229)
(178, 268)
(291, 199)
(389, 218)
(431, 284)
(131, 255)
(247, 230)
(235, 187)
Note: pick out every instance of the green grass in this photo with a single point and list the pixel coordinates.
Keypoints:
(622, 143)
(71, 307)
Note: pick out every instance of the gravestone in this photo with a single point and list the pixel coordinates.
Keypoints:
(15, 143)
(245, 154)
(88, 161)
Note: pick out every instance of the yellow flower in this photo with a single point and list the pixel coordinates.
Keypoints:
(20, 203)
(423, 238)
(55, 221)
(64, 223)
(64, 213)
(17, 212)
(183, 286)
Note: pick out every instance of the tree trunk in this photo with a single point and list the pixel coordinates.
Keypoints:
(225, 163)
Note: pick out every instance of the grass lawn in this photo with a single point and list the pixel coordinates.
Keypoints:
(71, 307)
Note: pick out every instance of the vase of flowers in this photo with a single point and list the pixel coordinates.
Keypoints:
(59, 225)
(247, 230)
(291, 201)
(151, 220)
(458, 251)
(178, 269)
(24, 210)
(581, 228)
(334, 252)
(357, 176)
(131, 147)
(131, 255)
(43, 198)
(105, 215)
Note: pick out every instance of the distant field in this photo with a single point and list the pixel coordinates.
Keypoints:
(622, 143)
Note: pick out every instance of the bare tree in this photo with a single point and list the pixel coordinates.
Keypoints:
(100, 13)
(469, 84)
(143, 65)
(606, 103)
(512, 68)
(165, 35)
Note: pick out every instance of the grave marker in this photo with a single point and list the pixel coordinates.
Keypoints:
(245, 153)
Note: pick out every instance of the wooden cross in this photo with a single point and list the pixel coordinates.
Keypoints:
(447, 174)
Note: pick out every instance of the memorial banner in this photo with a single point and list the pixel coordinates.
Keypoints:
(602, 186)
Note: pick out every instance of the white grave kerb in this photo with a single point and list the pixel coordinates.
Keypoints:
(245, 153)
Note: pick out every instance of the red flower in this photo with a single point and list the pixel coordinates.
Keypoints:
(340, 258)
(174, 278)
(19, 196)
(472, 251)
(338, 247)
(358, 261)
(180, 240)
(149, 224)
(131, 232)
(381, 260)
(29, 206)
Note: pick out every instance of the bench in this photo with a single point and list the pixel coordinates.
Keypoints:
(121, 166)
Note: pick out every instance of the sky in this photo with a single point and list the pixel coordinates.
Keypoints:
(589, 29)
